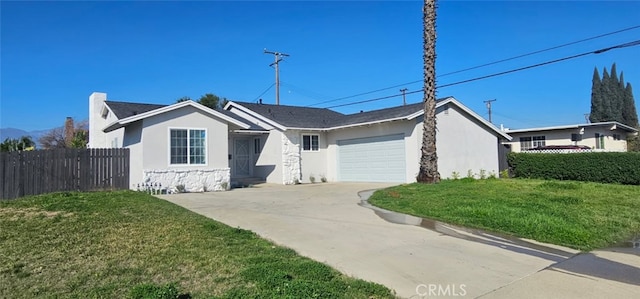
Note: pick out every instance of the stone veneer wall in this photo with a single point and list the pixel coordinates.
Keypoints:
(217, 179)
(291, 157)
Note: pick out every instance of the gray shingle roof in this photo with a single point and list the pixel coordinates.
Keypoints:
(125, 109)
(253, 127)
(382, 114)
(288, 116)
(296, 117)
(306, 117)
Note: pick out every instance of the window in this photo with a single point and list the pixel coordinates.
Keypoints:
(310, 142)
(576, 137)
(525, 143)
(616, 137)
(599, 141)
(538, 141)
(529, 142)
(188, 146)
(256, 146)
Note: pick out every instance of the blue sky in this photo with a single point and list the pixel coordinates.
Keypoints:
(55, 54)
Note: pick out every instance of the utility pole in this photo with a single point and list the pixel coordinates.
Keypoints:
(404, 100)
(488, 102)
(278, 57)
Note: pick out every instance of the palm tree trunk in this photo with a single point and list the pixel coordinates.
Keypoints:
(429, 161)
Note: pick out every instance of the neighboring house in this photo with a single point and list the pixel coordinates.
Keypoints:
(200, 148)
(602, 136)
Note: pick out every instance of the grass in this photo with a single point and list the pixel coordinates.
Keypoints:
(579, 215)
(129, 244)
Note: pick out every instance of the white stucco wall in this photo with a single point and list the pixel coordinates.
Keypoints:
(390, 128)
(269, 163)
(463, 144)
(563, 137)
(133, 141)
(313, 162)
(150, 151)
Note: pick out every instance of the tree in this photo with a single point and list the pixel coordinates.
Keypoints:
(615, 95)
(596, 98)
(69, 136)
(629, 113)
(428, 172)
(209, 99)
(24, 143)
(611, 100)
(53, 139)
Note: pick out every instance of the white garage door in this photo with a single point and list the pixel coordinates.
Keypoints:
(372, 159)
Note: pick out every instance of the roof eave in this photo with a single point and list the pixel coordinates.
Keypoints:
(254, 114)
(125, 121)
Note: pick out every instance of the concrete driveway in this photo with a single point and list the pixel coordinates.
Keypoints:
(326, 223)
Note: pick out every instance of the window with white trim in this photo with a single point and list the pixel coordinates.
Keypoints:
(310, 143)
(530, 142)
(599, 141)
(539, 141)
(525, 143)
(187, 147)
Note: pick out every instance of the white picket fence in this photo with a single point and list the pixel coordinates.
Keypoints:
(563, 151)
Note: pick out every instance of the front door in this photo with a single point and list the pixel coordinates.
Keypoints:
(241, 153)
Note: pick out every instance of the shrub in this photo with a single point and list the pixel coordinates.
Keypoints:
(470, 174)
(621, 168)
(312, 179)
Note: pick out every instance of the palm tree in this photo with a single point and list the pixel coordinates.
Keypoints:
(429, 161)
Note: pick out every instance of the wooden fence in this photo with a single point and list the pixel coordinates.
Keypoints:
(43, 171)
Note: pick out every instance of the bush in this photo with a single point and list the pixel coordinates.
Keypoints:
(621, 168)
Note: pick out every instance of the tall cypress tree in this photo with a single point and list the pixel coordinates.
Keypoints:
(596, 98)
(616, 95)
(606, 95)
(629, 113)
(611, 100)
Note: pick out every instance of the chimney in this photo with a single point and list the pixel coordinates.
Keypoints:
(260, 101)
(97, 138)
(68, 131)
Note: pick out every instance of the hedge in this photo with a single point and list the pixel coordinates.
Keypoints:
(620, 168)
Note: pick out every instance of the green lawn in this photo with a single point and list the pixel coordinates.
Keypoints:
(574, 214)
(119, 244)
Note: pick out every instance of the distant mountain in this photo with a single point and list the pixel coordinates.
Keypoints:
(14, 133)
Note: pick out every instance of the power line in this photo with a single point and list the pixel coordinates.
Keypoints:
(308, 93)
(364, 93)
(265, 91)
(482, 65)
(624, 45)
(540, 51)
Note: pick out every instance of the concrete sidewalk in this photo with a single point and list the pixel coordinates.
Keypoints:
(326, 223)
